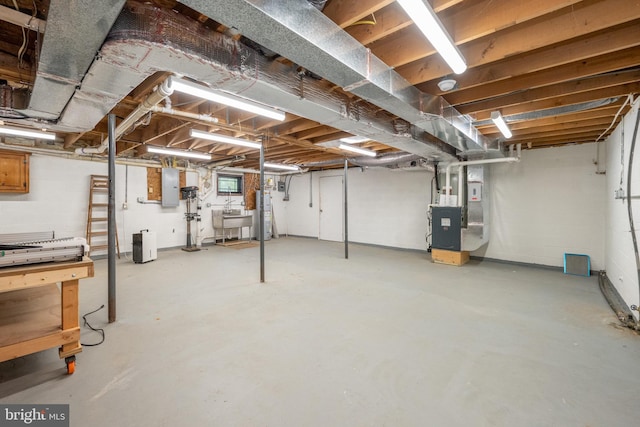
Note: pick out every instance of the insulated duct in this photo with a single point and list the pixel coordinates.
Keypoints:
(75, 32)
(146, 39)
(385, 160)
(301, 33)
(388, 160)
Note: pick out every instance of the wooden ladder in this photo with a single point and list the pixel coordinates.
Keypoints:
(97, 234)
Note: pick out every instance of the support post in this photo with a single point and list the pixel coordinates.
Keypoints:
(261, 211)
(346, 211)
(111, 221)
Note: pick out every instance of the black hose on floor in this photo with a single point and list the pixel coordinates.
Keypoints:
(615, 301)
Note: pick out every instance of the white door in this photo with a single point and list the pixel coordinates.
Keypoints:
(331, 208)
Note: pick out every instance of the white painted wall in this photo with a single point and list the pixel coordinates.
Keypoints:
(387, 208)
(548, 204)
(620, 261)
(58, 200)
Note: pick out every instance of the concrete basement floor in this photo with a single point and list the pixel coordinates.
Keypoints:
(386, 338)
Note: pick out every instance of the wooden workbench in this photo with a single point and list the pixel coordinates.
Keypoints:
(36, 315)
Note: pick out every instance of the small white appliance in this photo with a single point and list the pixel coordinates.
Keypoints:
(145, 248)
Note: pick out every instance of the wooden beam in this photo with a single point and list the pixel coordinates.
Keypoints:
(389, 20)
(346, 12)
(551, 91)
(580, 116)
(575, 70)
(578, 21)
(464, 25)
(559, 101)
(618, 38)
(295, 126)
(520, 129)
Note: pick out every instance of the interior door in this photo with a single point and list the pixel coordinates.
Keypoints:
(331, 208)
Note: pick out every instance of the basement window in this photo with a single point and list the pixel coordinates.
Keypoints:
(230, 185)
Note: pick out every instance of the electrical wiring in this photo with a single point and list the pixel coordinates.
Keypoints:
(98, 330)
(628, 100)
(629, 207)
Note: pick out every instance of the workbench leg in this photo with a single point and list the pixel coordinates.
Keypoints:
(70, 315)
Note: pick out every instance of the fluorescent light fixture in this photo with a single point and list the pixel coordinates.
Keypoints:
(208, 94)
(427, 21)
(354, 139)
(27, 133)
(224, 139)
(501, 124)
(281, 166)
(358, 150)
(181, 153)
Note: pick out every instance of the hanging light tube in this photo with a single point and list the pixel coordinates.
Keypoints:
(501, 124)
(224, 139)
(27, 133)
(427, 21)
(357, 150)
(281, 166)
(354, 139)
(203, 92)
(181, 153)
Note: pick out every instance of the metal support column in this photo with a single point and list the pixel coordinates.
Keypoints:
(346, 212)
(261, 211)
(111, 220)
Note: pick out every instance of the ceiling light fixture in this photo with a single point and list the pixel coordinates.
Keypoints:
(501, 124)
(224, 139)
(427, 21)
(446, 85)
(358, 150)
(281, 166)
(203, 92)
(354, 139)
(27, 133)
(181, 153)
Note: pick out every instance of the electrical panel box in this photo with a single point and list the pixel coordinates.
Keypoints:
(170, 187)
(446, 228)
(475, 192)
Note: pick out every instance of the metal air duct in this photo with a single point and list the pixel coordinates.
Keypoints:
(145, 39)
(301, 33)
(75, 32)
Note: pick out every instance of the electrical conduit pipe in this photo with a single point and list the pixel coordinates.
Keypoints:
(460, 165)
(162, 91)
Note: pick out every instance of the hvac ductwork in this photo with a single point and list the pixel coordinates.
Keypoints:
(310, 39)
(145, 40)
(75, 32)
(387, 160)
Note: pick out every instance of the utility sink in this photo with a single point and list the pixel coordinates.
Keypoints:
(233, 218)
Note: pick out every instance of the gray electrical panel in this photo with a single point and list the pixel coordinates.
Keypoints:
(170, 187)
(446, 227)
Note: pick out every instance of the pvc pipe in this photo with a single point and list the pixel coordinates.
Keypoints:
(472, 162)
(171, 112)
(164, 90)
